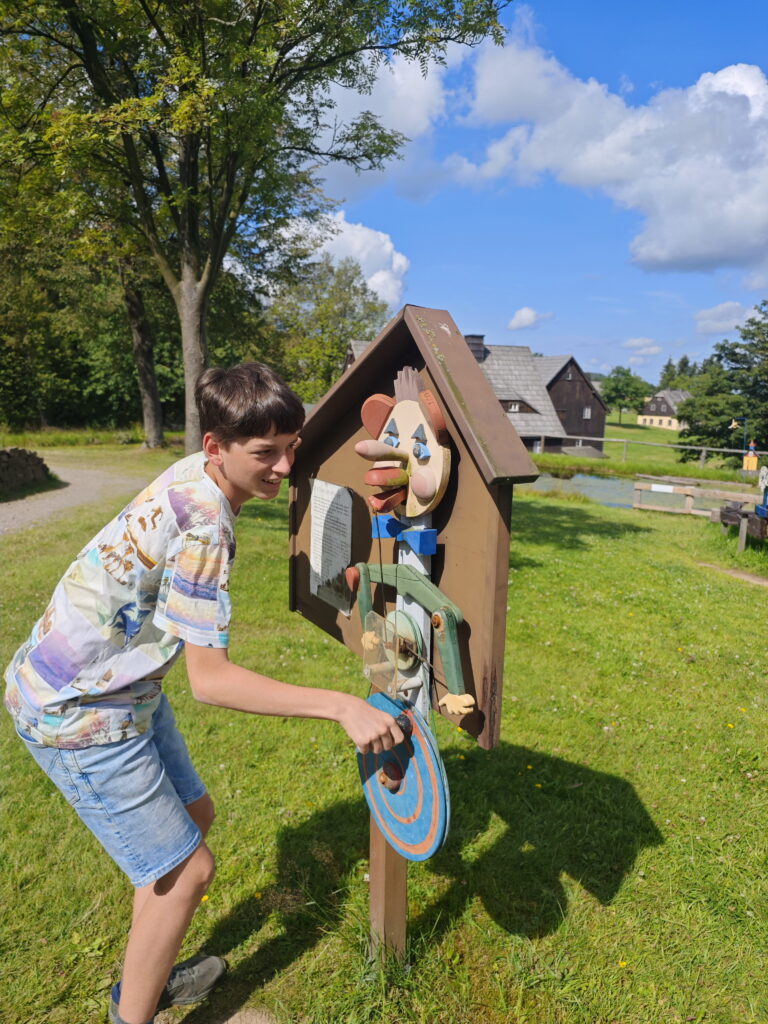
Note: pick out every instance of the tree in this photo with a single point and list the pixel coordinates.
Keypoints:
(213, 117)
(732, 384)
(685, 368)
(624, 389)
(317, 316)
(668, 375)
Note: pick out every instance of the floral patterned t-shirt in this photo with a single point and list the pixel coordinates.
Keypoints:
(154, 577)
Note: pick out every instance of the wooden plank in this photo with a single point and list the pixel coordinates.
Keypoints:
(388, 874)
(716, 495)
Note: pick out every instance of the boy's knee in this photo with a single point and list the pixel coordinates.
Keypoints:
(193, 877)
(203, 867)
(209, 870)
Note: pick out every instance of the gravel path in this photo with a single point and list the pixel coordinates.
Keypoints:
(82, 486)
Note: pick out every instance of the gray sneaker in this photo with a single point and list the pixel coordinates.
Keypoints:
(190, 981)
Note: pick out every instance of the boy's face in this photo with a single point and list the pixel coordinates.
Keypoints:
(251, 467)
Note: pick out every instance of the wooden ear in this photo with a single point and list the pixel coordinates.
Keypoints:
(375, 412)
(434, 416)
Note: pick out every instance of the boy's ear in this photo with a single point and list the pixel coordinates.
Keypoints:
(212, 449)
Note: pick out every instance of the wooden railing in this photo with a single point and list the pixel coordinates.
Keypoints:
(704, 453)
(690, 493)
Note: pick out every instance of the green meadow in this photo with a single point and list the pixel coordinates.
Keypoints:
(606, 862)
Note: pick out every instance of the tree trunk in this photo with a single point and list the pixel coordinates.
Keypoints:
(191, 303)
(144, 356)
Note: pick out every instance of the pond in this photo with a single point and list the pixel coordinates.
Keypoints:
(615, 491)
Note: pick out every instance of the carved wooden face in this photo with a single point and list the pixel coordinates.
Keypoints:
(411, 460)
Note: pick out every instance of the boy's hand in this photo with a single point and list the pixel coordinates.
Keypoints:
(370, 729)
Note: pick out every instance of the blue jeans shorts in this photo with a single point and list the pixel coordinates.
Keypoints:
(133, 795)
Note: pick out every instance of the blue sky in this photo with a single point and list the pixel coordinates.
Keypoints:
(598, 187)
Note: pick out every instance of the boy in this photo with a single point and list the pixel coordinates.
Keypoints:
(85, 689)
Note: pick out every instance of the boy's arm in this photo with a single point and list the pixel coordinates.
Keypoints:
(216, 680)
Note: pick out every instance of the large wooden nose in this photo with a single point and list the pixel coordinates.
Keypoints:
(373, 450)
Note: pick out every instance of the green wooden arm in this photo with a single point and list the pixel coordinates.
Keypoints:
(446, 616)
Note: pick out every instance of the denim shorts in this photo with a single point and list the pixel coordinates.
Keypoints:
(132, 795)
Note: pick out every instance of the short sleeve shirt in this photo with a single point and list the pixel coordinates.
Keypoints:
(156, 576)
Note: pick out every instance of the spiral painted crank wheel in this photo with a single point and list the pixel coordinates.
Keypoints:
(406, 787)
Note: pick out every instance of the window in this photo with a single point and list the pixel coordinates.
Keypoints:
(653, 407)
(537, 445)
(586, 412)
(669, 423)
(569, 376)
(514, 407)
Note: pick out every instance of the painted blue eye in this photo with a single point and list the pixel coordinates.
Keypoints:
(421, 451)
(392, 441)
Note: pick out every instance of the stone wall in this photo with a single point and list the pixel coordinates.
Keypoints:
(20, 468)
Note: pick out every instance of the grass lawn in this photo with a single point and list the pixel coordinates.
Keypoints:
(56, 437)
(606, 863)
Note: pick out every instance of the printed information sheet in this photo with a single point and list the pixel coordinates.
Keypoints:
(330, 544)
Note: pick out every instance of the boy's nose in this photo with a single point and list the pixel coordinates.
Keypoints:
(284, 463)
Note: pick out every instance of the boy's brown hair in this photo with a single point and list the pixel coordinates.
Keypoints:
(246, 400)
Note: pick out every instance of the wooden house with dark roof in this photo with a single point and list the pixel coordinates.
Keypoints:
(661, 409)
(579, 405)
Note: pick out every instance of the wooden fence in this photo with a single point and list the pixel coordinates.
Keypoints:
(704, 453)
(690, 493)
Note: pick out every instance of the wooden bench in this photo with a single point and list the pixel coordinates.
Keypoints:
(747, 520)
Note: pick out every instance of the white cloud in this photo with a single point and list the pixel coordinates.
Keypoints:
(383, 267)
(402, 97)
(720, 319)
(404, 100)
(527, 317)
(693, 162)
(643, 346)
(643, 349)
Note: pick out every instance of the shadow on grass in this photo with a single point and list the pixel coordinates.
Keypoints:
(542, 521)
(51, 484)
(558, 817)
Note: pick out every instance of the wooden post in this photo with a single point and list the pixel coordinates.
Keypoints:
(388, 874)
(743, 532)
(624, 458)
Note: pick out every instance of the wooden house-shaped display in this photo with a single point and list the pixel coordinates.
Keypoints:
(330, 520)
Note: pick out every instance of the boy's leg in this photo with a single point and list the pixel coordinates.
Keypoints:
(145, 803)
(202, 812)
(166, 908)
